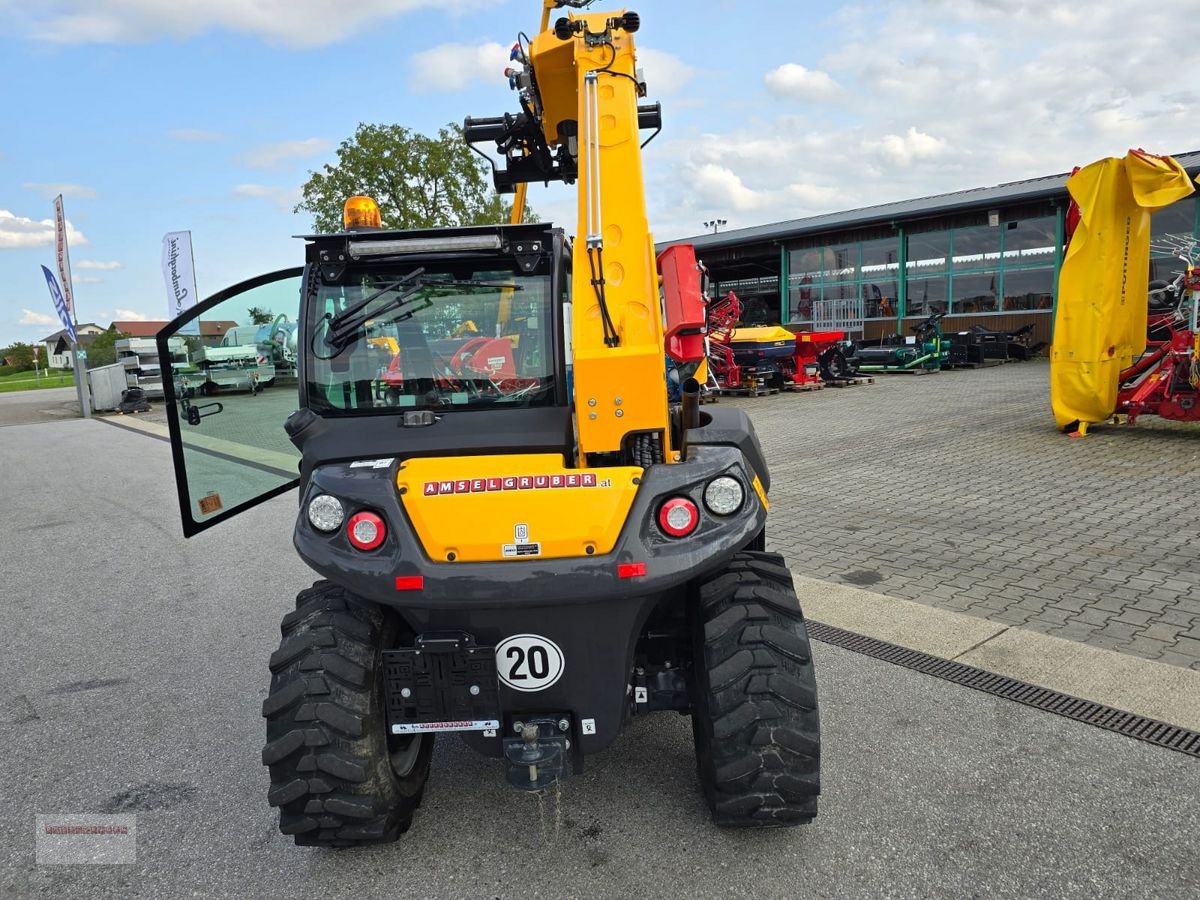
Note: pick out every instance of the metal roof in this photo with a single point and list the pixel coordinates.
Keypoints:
(1014, 192)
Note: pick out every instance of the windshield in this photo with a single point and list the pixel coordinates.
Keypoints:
(433, 337)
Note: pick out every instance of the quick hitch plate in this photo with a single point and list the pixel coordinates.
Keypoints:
(442, 683)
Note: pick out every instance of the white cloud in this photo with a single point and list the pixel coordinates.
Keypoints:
(20, 233)
(665, 73)
(50, 191)
(933, 96)
(795, 82)
(284, 199)
(296, 23)
(269, 156)
(95, 264)
(720, 188)
(30, 317)
(905, 149)
(195, 135)
(452, 67)
(130, 315)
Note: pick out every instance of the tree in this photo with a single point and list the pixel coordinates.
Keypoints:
(19, 357)
(260, 316)
(102, 350)
(418, 181)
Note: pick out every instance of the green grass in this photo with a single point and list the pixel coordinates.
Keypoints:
(26, 381)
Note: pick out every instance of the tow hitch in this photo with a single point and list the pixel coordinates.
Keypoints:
(537, 755)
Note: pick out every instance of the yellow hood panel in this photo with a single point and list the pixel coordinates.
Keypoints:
(490, 508)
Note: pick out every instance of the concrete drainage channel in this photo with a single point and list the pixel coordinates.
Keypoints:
(1142, 728)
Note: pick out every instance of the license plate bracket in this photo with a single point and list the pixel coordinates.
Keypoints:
(444, 682)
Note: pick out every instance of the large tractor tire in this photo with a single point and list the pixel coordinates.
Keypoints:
(338, 778)
(754, 709)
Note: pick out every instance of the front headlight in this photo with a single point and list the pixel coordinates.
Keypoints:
(723, 496)
(325, 513)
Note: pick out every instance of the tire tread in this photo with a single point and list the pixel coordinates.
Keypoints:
(327, 749)
(755, 716)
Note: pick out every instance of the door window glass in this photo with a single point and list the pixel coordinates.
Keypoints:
(231, 393)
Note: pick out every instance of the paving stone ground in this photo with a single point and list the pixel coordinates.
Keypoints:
(955, 489)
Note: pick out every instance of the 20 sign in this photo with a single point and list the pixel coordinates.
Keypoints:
(529, 662)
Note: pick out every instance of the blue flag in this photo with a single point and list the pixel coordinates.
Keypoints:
(60, 305)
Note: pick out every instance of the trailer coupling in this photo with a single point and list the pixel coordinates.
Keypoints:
(537, 756)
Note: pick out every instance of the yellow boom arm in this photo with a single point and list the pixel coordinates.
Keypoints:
(617, 338)
(580, 122)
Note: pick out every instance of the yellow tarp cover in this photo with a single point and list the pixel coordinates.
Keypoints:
(762, 334)
(1100, 321)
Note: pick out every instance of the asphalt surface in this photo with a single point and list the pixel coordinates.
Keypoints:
(45, 405)
(134, 666)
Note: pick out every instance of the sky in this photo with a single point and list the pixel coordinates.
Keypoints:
(209, 115)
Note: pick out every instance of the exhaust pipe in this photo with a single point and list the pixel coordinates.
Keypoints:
(689, 413)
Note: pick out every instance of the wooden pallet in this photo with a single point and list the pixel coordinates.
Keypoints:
(986, 364)
(807, 386)
(852, 382)
(749, 392)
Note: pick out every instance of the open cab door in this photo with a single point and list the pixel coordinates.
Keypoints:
(232, 381)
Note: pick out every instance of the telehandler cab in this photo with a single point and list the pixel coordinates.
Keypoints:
(520, 539)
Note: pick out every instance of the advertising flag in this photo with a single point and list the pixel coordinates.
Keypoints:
(60, 305)
(180, 275)
(62, 255)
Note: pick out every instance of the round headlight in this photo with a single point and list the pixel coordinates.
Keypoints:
(325, 513)
(724, 495)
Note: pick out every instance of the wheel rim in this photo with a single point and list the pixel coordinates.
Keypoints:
(404, 757)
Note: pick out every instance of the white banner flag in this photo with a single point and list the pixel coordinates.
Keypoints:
(179, 273)
(64, 258)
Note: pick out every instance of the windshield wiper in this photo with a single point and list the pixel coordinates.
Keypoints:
(352, 318)
(347, 326)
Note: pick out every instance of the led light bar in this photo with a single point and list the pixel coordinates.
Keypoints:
(359, 249)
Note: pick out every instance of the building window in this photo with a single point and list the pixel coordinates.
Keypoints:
(880, 270)
(800, 301)
(1174, 221)
(975, 248)
(880, 299)
(975, 292)
(928, 253)
(927, 295)
(1029, 288)
(1179, 219)
(979, 260)
(840, 263)
(1029, 241)
(804, 284)
(865, 272)
(840, 290)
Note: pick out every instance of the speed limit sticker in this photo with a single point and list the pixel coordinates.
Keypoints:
(529, 662)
